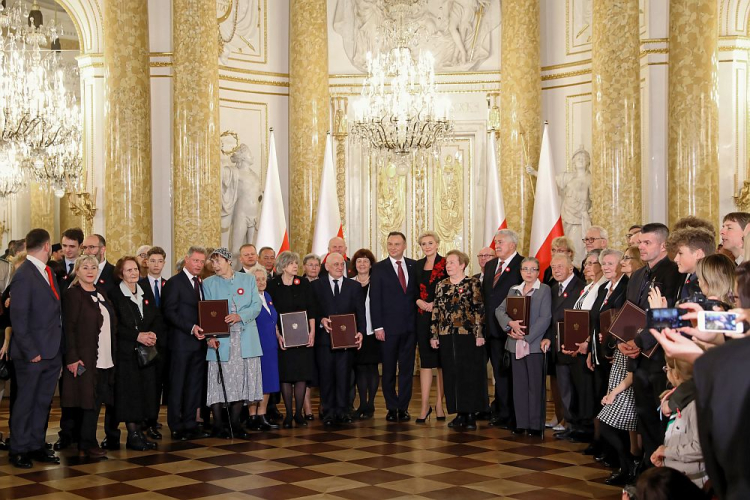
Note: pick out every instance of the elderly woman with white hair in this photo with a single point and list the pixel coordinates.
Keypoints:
(240, 353)
(141, 257)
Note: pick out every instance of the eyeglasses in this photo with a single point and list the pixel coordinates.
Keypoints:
(591, 240)
(560, 250)
(530, 269)
(627, 257)
(587, 264)
(485, 256)
(90, 247)
(143, 255)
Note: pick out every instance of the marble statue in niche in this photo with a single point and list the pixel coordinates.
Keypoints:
(238, 27)
(575, 190)
(240, 198)
(457, 32)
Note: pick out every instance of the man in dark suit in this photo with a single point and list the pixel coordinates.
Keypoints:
(96, 245)
(649, 379)
(483, 257)
(688, 246)
(500, 274)
(566, 289)
(187, 345)
(336, 294)
(36, 349)
(337, 245)
(154, 282)
(248, 257)
(393, 298)
(71, 242)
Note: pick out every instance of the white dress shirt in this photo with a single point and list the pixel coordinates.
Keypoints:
(41, 266)
(504, 262)
(403, 266)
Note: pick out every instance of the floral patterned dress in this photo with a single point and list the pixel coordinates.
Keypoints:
(457, 321)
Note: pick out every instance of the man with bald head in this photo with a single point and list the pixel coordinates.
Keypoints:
(337, 245)
(484, 256)
(336, 294)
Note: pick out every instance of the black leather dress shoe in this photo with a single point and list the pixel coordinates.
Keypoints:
(392, 416)
(403, 416)
(620, 477)
(110, 444)
(273, 414)
(45, 457)
(457, 422)
(196, 434)
(563, 434)
(500, 423)
(483, 415)
(4, 446)
(344, 419)
(152, 433)
(178, 436)
(21, 461)
(62, 444)
(534, 433)
(471, 422)
(328, 421)
(265, 425)
(253, 423)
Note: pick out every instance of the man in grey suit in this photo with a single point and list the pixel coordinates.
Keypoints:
(36, 350)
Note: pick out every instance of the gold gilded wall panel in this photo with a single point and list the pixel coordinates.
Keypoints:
(390, 204)
(693, 110)
(127, 134)
(616, 125)
(578, 26)
(196, 191)
(42, 208)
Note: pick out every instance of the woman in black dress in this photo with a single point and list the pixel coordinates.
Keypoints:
(430, 271)
(290, 293)
(139, 322)
(457, 330)
(367, 358)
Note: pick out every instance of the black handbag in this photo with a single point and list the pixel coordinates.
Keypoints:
(4, 370)
(145, 354)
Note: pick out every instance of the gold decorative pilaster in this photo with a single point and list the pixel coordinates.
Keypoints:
(616, 155)
(67, 218)
(308, 114)
(127, 133)
(521, 111)
(693, 110)
(42, 208)
(340, 133)
(196, 174)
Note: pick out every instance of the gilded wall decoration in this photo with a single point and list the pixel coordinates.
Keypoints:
(448, 202)
(196, 193)
(578, 25)
(391, 203)
(42, 208)
(456, 32)
(616, 87)
(420, 201)
(309, 106)
(242, 30)
(340, 134)
(127, 134)
(693, 110)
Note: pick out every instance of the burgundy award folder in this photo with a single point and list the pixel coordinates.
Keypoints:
(629, 322)
(211, 314)
(576, 329)
(605, 322)
(295, 329)
(519, 309)
(343, 331)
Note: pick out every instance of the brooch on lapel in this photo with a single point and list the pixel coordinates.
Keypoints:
(145, 302)
(241, 291)
(270, 303)
(296, 281)
(460, 290)
(565, 295)
(101, 282)
(507, 269)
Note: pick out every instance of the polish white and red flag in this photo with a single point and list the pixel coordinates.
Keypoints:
(546, 223)
(328, 219)
(494, 211)
(272, 231)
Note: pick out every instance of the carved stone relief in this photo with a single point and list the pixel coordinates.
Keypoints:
(240, 195)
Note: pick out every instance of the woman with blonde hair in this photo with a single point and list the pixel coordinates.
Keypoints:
(716, 276)
(631, 261)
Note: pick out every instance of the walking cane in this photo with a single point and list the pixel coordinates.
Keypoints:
(224, 388)
(544, 392)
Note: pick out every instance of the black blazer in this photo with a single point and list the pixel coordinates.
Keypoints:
(668, 279)
(129, 320)
(107, 280)
(723, 384)
(390, 307)
(349, 301)
(145, 283)
(549, 280)
(691, 287)
(567, 300)
(615, 301)
(36, 315)
(494, 296)
(180, 310)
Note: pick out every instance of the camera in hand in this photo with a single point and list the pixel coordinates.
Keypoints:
(705, 303)
(667, 317)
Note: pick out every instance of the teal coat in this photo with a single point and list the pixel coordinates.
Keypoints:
(243, 292)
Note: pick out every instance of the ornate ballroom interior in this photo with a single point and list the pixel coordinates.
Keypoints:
(176, 97)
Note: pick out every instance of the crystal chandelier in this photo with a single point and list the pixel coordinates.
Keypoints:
(399, 114)
(40, 120)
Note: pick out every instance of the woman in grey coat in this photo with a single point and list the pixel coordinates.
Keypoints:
(523, 341)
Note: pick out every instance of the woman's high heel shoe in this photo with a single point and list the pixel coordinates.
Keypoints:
(287, 422)
(300, 420)
(439, 418)
(426, 417)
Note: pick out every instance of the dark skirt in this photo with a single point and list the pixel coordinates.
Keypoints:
(296, 364)
(428, 357)
(135, 387)
(464, 373)
(370, 353)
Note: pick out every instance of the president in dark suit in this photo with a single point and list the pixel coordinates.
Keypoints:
(649, 379)
(393, 299)
(187, 346)
(566, 290)
(36, 349)
(500, 274)
(335, 294)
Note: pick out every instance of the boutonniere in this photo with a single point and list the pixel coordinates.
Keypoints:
(296, 281)
(145, 302)
(101, 281)
(582, 291)
(565, 295)
(507, 269)
(241, 291)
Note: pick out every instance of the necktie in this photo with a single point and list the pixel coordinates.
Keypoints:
(336, 290)
(157, 296)
(645, 285)
(197, 287)
(561, 290)
(498, 273)
(70, 268)
(51, 282)
(401, 275)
